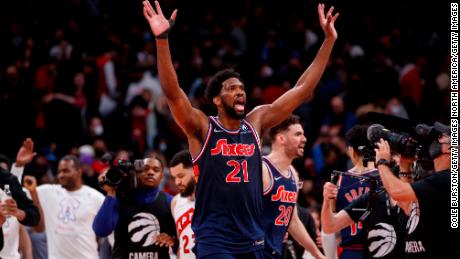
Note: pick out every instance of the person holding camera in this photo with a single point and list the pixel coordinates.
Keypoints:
(378, 214)
(67, 210)
(139, 217)
(426, 201)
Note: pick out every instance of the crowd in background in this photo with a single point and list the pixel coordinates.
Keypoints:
(79, 76)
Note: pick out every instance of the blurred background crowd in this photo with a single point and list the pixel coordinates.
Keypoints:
(79, 76)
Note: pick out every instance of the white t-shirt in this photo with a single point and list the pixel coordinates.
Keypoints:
(10, 235)
(11, 239)
(68, 220)
(183, 213)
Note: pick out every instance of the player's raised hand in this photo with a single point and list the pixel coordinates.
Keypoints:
(327, 21)
(157, 21)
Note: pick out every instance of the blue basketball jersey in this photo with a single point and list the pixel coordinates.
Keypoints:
(228, 194)
(349, 189)
(279, 202)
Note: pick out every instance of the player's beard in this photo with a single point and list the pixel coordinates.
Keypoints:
(188, 189)
(231, 112)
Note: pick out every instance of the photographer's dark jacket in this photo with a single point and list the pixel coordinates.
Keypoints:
(428, 230)
(136, 219)
(384, 226)
(31, 211)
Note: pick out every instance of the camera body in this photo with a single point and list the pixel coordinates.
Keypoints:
(123, 173)
(415, 143)
(404, 144)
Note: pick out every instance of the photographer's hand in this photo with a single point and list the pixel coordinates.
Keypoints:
(164, 239)
(110, 190)
(397, 189)
(383, 150)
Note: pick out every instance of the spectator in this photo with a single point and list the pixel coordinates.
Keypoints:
(67, 211)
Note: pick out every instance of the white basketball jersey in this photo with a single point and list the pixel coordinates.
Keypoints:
(183, 212)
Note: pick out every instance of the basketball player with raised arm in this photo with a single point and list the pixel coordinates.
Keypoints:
(226, 148)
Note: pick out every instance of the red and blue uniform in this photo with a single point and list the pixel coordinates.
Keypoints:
(353, 237)
(228, 206)
(279, 203)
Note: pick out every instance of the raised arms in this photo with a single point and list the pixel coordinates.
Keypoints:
(266, 116)
(193, 122)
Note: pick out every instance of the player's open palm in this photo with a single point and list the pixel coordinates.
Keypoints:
(327, 21)
(157, 21)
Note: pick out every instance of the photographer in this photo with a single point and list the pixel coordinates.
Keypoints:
(428, 232)
(141, 217)
(379, 215)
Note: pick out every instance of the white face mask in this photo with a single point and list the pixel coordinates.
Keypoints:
(163, 146)
(99, 130)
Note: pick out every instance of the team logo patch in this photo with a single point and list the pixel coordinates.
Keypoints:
(68, 210)
(144, 228)
(414, 218)
(382, 240)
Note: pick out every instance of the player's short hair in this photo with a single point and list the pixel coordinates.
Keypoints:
(157, 156)
(76, 161)
(215, 83)
(357, 136)
(182, 157)
(291, 120)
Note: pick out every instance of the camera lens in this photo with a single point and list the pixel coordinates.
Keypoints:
(114, 176)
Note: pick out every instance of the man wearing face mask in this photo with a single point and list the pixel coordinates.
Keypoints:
(428, 231)
(141, 219)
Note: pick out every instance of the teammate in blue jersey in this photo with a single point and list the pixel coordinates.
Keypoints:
(280, 189)
(351, 188)
(226, 148)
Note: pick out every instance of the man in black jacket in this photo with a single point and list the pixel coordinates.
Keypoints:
(18, 205)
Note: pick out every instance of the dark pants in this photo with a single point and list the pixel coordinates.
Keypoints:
(271, 254)
(252, 255)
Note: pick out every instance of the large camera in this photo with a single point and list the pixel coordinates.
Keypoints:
(121, 170)
(412, 144)
(403, 144)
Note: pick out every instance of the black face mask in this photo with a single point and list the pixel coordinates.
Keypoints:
(435, 149)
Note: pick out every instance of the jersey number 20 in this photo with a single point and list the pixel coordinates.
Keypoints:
(284, 217)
